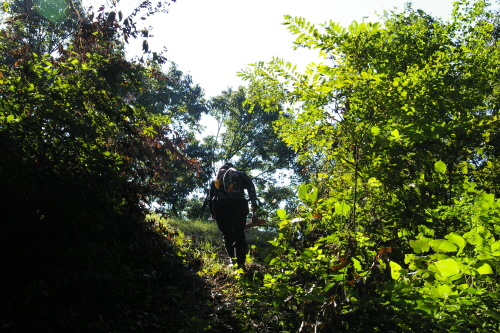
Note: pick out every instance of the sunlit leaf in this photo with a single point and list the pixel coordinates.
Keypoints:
(342, 208)
(374, 182)
(395, 135)
(420, 246)
(307, 254)
(486, 200)
(440, 167)
(457, 240)
(484, 269)
(281, 213)
(396, 270)
(441, 245)
(356, 264)
(444, 291)
(447, 267)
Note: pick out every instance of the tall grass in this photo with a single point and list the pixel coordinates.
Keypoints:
(200, 230)
(201, 240)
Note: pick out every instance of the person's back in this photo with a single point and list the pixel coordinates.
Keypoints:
(231, 183)
(229, 208)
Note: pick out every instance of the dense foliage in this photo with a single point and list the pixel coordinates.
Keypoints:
(398, 227)
(394, 140)
(85, 148)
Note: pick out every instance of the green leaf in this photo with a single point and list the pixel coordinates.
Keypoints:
(486, 200)
(307, 254)
(440, 167)
(474, 237)
(495, 249)
(472, 291)
(394, 135)
(420, 246)
(493, 314)
(428, 307)
(441, 245)
(356, 264)
(274, 261)
(444, 291)
(457, 240)
(484, 269)
(375, 130)
(328, 287)
(308, 193)
(374, 182)
(342, 208)
(447, 267)
(396, 270)
(302, 192)
(281, 213)
(495, 296)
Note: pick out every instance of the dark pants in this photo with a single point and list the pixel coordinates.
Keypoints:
(230, 215)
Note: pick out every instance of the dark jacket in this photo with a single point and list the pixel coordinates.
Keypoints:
(219, 194)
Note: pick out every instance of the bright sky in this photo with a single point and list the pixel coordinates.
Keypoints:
(214, 39)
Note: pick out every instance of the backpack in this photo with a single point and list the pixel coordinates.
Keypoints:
(230, 184)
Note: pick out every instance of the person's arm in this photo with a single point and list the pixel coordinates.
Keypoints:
(250, 187)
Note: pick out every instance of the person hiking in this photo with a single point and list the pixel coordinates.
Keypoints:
(229, 208)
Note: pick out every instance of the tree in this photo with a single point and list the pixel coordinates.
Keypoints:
(396, 135)
(82, 157)
(76, 117)
(45, 27)
(172, 94)
(41, 26)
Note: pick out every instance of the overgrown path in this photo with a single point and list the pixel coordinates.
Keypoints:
(209, 298)
(198, 244)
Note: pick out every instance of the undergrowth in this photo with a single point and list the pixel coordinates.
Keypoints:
(199, 243)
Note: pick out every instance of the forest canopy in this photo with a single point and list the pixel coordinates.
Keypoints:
(389, 220)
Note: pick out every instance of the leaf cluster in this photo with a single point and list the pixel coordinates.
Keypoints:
(396, 132)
